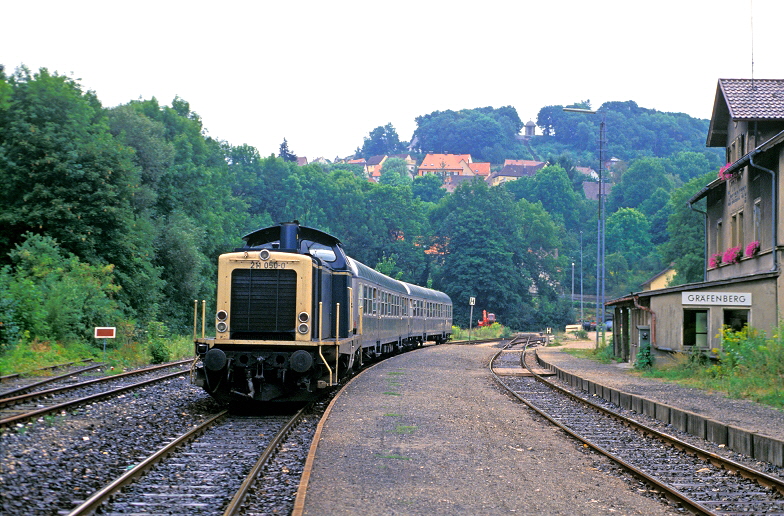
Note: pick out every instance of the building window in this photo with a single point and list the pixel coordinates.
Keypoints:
(719, 237)
(695, 328)
(737, 229)
(757, 216)
(736, 319)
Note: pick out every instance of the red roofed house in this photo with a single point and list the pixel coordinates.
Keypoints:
(374, 164)
(476, 169)
(444, 164)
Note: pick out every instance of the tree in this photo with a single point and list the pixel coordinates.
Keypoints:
(686, 227)
(635, 186)
(628, 233)
(395, 173)
(284, 152)
(496, 250)
(551, 186)
(478, 132)
(382, 141)
(428, 188)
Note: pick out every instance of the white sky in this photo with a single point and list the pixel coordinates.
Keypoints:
(324, 74)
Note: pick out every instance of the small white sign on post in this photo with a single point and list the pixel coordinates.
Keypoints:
(471, 301)
(105, 332)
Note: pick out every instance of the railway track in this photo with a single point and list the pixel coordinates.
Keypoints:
(19, 407)
(207, 470)
(697, 479)
(12, 377)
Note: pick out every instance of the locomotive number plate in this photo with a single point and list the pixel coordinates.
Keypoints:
(267, 265)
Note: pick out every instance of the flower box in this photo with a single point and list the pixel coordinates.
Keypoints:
(732, 255)
(753, 248)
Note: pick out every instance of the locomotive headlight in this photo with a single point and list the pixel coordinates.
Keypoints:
(221, 327)
(264, 254)
(303, 328)
(303, 317)
(222, 315)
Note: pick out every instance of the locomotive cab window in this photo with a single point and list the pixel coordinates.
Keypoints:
(320, 251)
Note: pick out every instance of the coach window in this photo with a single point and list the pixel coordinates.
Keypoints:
(695, 328)
(375, 301)
(736, 319)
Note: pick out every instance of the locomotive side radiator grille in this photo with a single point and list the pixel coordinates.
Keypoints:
(263, 304)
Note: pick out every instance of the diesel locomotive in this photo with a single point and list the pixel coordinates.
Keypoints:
(294, 314)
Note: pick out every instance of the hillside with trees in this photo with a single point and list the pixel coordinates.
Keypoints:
(116, 216)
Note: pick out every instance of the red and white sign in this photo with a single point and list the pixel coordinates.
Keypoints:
(105, 332)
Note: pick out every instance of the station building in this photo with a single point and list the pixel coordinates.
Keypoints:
(744, 235)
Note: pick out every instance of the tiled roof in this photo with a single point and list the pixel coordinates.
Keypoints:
(444, 161)
(375, 160)
(480, 169)
(591, 190)
(517, 171)
(754, 99)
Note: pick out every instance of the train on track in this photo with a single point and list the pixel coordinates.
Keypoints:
(294, 314)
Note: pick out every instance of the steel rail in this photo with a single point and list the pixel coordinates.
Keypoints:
(60, 406)
(235, 504)
(674, 494)
(760, 477)
(96, 499)
(25, 388)
(55, 366)
(13, 400)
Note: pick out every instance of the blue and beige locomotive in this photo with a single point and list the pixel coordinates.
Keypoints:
(294, 314)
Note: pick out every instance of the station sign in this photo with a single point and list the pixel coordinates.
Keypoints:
(716, 298)
(105, 332)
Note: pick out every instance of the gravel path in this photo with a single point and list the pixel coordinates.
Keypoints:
(429, 432)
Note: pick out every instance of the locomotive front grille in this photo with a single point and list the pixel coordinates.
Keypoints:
(263, 304)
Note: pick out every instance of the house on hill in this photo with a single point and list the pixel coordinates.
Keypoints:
(660, 279)
(742, 209)
(515, 169)
(591, 190)
(443, 164)
(476, 169)
(374, 165)
(410, 162)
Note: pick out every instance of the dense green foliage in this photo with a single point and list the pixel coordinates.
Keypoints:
(115, 217)
(749, 365)
(382, 140)
(487, 134)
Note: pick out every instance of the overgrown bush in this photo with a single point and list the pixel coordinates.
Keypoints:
(157, 334)
(48, 294)
(644, 359)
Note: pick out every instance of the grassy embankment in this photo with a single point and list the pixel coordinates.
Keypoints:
(123, 352)
(749, 365)
(494, 331)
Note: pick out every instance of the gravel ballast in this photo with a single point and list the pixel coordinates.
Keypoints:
(713, 405)
(429, 432)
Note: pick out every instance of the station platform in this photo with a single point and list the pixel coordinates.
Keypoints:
(430, 432)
